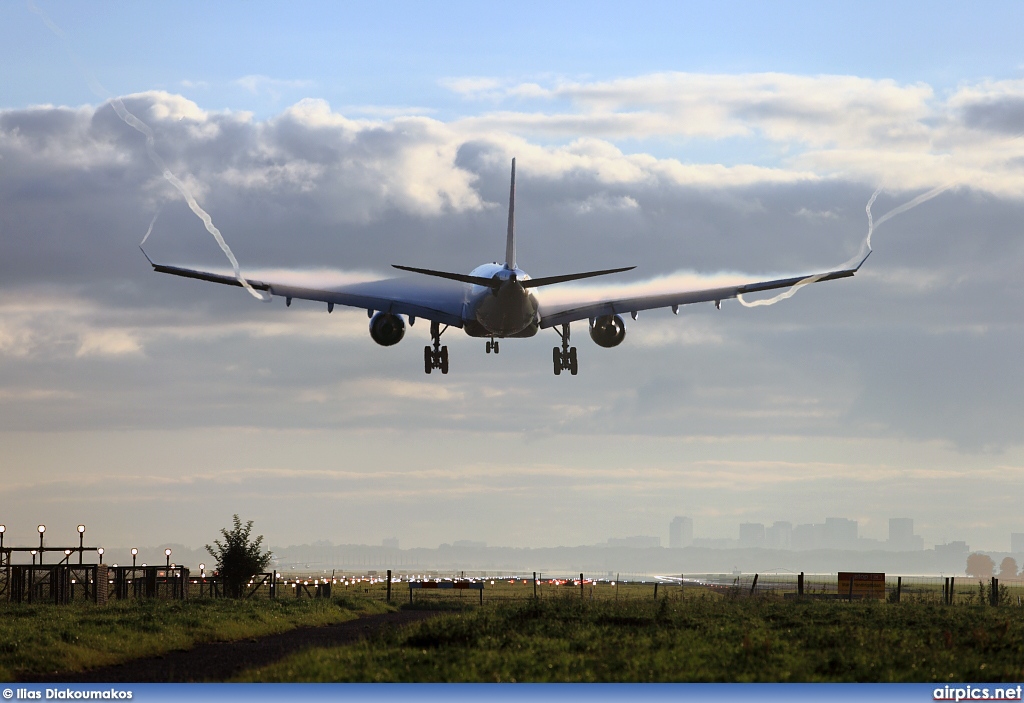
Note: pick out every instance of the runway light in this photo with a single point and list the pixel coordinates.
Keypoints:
(42, 529)
(81, 529)
(134, 551)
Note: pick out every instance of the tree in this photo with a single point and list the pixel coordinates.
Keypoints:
(1008, 568)
(238, 557)
(980, 565)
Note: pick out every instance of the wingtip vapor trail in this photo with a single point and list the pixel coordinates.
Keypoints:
(865, 250)
(132, 121)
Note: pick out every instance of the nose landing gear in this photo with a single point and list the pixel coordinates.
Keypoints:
(564, 358)
(492, 346)
(436, 358)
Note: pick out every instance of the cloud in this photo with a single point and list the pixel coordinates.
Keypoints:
(272, 87)
(138, 397)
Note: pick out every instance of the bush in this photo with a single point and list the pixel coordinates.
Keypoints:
(238, 557)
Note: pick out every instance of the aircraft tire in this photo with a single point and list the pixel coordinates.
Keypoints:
(556, 356)
(427, 360)
(573, 365)
(444, 359)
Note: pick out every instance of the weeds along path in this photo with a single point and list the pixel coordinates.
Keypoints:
(219, 661)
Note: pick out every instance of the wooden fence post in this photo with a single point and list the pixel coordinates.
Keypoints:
(389, 585)
(899, 588)
(800, 584)
(655, 590)
(535, 585)
(581, 586)
(753, 585)
(952, 589)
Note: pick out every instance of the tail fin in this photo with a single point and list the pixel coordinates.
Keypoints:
(510, 242)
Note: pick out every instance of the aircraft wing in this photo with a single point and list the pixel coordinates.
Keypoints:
(431, 299)
(599, 302)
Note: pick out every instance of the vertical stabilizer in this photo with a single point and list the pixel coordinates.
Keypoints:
(510, 242)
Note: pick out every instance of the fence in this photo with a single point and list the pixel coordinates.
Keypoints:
(66, 583)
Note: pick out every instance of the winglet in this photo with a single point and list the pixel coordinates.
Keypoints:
(857, 268)
(147, 256)
(510, 241)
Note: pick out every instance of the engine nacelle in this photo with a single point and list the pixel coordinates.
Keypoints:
(387, 329)
(608, 331)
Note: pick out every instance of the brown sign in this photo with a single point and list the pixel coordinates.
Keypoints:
(865, 585)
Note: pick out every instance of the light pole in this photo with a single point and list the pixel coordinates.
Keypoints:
(67, 556)
(81, 539)
(167, 553)
(3, 529)
(100, 552)
(34, 557)
(42, 529)
(134, 554)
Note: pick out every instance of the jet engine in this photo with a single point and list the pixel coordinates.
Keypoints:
(387, 329)
(608, 331)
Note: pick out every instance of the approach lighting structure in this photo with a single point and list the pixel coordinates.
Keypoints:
(167, 553)
(134, 554)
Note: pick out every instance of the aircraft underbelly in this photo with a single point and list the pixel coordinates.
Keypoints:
(512, 312)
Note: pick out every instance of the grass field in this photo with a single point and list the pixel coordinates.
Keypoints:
(36, 639)
(612, 633)
(701, 638)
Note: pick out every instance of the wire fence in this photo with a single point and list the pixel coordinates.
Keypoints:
(433, 588)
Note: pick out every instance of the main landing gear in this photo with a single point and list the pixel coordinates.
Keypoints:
(436, 358)
(492, 345)
(564, 358)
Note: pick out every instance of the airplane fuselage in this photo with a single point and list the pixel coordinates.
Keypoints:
(507, 311)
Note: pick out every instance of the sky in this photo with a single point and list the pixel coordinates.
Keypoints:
(683, 138)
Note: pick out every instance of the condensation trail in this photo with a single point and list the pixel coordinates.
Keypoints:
(133, 121)
(140, 126)
(150, 230)
(865, 247)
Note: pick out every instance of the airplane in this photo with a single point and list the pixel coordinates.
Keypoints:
(494, 301)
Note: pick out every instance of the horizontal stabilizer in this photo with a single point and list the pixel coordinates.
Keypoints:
(548, 280)
(496, 282)
(461, 277)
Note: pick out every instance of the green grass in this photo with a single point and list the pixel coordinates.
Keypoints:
(36, 639)
(693, 639)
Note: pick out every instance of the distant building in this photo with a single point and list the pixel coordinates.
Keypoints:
(751, 534)
(1017, 543)
(809, 536)
(680, 532)
(468, 544)
(951, 557)
(902, 537)
(390, 543)
(714, 543)
(638, 542)
(840, 533)
(779, 535)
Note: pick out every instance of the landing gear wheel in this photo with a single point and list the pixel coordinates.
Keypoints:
(444, 359)
(428, 359)
(495, 345)
(488, 347)
(564, 358)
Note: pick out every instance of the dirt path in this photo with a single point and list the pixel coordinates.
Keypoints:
(219, 661)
